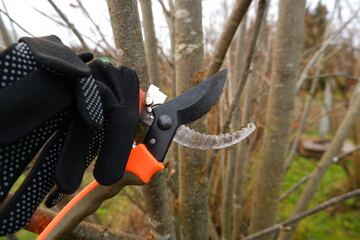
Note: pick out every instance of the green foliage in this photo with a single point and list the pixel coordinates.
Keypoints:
(331, 223)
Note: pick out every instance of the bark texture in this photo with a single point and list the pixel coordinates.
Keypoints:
(232, 23)
(193, 181)
(343, 131)
(129, 43)
(84, 231)
(150, 42)
(279, 114)
(5, 36)
(130, 50)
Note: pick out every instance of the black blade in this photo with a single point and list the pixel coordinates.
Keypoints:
(186, 108)
(197, 101)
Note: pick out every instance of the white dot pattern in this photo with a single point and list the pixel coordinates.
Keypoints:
(15, 157)
(91, 99)
(17, 213)
(16, 63)
(94, 148)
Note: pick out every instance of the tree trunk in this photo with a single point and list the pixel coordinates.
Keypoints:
(129, 43)
(232, 23)
(189, 53)
(227, 206)
(150, 42)
(343, 131)
(4, 33)
(279, 114)
(130, 51)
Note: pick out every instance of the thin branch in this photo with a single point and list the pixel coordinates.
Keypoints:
(70, 25)
(345, 154)
(231, 25)
(323, 47)
(287, 224)
(294, 187)
(329, 75)
(165, 10)
(306, 178)
(84, 231)
(95, 25)
(47, 16)
(17, 24)
(245, 72)
(134, 201)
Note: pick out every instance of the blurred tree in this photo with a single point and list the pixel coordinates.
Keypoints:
(189, 54)
(280, 112)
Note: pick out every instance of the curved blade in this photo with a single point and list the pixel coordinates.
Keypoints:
(193, 139)
(196, 102)
(183, 109)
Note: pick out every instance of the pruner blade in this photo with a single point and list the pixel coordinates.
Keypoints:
(185, 108)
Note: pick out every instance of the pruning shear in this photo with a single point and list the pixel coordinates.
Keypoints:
(145, 159)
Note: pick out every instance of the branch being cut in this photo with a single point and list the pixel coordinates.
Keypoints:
(285, 225)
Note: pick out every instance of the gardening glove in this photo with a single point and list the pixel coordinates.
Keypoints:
(52, 78)
(119, 90)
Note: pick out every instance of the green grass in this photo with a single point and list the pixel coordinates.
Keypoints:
(327, 224)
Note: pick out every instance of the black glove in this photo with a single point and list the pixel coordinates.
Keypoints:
(55, 90)
(74, 145)
(119, 90)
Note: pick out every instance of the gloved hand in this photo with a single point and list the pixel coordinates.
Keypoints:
(119, 90)
(75, 143)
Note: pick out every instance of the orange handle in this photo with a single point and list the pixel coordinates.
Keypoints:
(141, 166)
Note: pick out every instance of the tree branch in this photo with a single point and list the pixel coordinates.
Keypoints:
(70, 25)
(231, 25)
(286, 224)
(329, 75)
(17, 24)
(84, 231)
(245, 72)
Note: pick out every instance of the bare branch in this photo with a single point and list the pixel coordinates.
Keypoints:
(287, 224)
(134, 201)
(331, 75)
(84, 231)
(231, 25)
(70, 25)
(322, 49)
(295, 187)
(245, 72)
(103, 38)
(17, 24)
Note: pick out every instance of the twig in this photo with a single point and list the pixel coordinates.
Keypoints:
(295, 187)
(305, 178)
(243, 79)
(343, 75)
(84, 231)
(323, 47)
(286, 224)
(70, 25)
(46, 15)
(232, 23)
(345, 154)
(17, 24)
(95, 25)
(134, 201)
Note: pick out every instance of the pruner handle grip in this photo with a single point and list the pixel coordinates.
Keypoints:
(141, 166)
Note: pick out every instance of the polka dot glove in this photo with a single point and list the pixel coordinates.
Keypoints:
(119, 89)
(53, 79)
